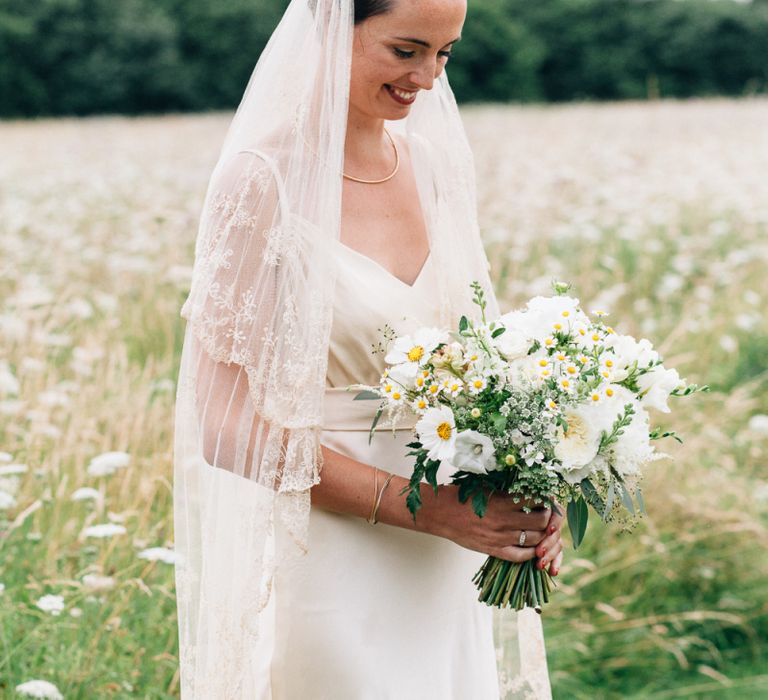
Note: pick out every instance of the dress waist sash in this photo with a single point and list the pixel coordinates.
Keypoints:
(342, 412)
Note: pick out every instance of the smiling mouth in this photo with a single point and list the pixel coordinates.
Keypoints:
(403, 97)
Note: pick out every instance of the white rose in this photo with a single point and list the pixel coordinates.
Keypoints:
(656, 387)
(474, 453)
(512, 343)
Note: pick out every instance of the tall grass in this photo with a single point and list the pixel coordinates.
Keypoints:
(658, 212)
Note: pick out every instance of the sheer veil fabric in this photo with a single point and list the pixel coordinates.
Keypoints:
(251, 383)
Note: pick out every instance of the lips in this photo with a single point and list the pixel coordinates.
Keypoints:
(403, 97)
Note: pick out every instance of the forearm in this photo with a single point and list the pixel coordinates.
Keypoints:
(347, 486)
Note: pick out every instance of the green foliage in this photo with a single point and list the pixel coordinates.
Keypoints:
(77, 57)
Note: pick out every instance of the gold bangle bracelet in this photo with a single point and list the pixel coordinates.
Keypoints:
(375, 494)
(378, 500)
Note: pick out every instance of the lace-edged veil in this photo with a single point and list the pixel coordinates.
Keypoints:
(252, 374)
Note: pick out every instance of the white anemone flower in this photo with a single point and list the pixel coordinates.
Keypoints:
(627, 351)
(53, 604)
(415, 349)
(437, 433)
(514, 342)
(474, 453)
(39, 689)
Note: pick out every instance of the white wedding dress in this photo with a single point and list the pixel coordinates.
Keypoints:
(380, 612)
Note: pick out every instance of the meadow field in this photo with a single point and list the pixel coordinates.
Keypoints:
(656, 211)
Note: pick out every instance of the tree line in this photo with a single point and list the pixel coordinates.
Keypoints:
(80, 57)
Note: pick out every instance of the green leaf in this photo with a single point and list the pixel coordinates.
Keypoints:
(498, 332)
(431, 473)
(499, 421)
(609, 498)
(413, 500)
(463, 324)
(640, 502)
(367, 395)
(480, 503)
(374, 424)
(626, 499)
(578, 514)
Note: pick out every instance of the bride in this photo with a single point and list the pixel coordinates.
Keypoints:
(342, 203)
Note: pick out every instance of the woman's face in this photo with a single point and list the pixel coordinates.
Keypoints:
(400, 52)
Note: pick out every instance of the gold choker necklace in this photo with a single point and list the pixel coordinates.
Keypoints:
(388, 177)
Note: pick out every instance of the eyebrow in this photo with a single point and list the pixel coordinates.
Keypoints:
(421, 42)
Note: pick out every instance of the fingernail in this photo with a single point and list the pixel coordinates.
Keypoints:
(556, 572)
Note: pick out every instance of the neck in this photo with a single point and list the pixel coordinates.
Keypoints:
(366, 145)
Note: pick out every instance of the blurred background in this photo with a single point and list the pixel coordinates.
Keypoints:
(79, 57)
(620, 145)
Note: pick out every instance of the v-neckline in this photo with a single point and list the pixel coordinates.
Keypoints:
(381, 267)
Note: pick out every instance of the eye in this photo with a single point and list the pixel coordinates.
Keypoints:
(445, 54)
(403, 54)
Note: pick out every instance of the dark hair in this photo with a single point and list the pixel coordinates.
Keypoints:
(368, 8)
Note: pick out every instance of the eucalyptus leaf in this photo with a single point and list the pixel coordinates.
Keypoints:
(578, 514)
(374, 424)
(367, 395)
(626, 499)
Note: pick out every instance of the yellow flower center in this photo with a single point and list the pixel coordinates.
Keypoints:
(422, 403)
(566, 314)
(565, 383)
(433, 389)
(396, 396)
(595, 397)
(454, 387)
(557, 326)
(444, 431)
(609, 363)
(609, 391)
(571, 370)
(595, 337)
(415, 353)
(478, 383)
(388, 388)
(608, 329)
(542, 362)
(552, 404)
(509, 460)
(582, 331)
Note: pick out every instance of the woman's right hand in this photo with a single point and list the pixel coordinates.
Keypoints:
(498, 532)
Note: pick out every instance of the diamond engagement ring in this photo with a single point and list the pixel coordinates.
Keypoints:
(521, 541)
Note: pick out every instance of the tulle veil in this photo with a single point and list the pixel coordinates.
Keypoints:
(252, 373)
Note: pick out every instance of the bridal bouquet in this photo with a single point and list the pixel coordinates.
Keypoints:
(544, 403)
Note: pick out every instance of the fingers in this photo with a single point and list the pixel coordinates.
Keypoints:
(556, 520)
(532, 537)
(515, 554)
(550, 556)
(554, 567)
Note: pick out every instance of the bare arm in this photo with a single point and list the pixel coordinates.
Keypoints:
(347, 486)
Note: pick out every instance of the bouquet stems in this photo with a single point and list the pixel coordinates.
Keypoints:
(506, 584)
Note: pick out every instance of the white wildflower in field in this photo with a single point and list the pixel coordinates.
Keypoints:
(108, 463)
(53, 604)
(758, 424)
(13, 469)
(6, 500)
(85, 493)
(5, 456)
(163, 554)
(39, 689)
(8, 382)
(2, 588)
(104, 530)
(76, 612)
(95, 582)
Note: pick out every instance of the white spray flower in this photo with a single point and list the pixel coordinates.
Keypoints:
(474, 452)
(437, 433)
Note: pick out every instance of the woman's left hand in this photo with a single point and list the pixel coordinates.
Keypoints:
(550, 549)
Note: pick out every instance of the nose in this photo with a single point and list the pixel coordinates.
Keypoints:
(425, 76)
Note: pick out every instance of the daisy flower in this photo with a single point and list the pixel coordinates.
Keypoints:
(437, 433)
